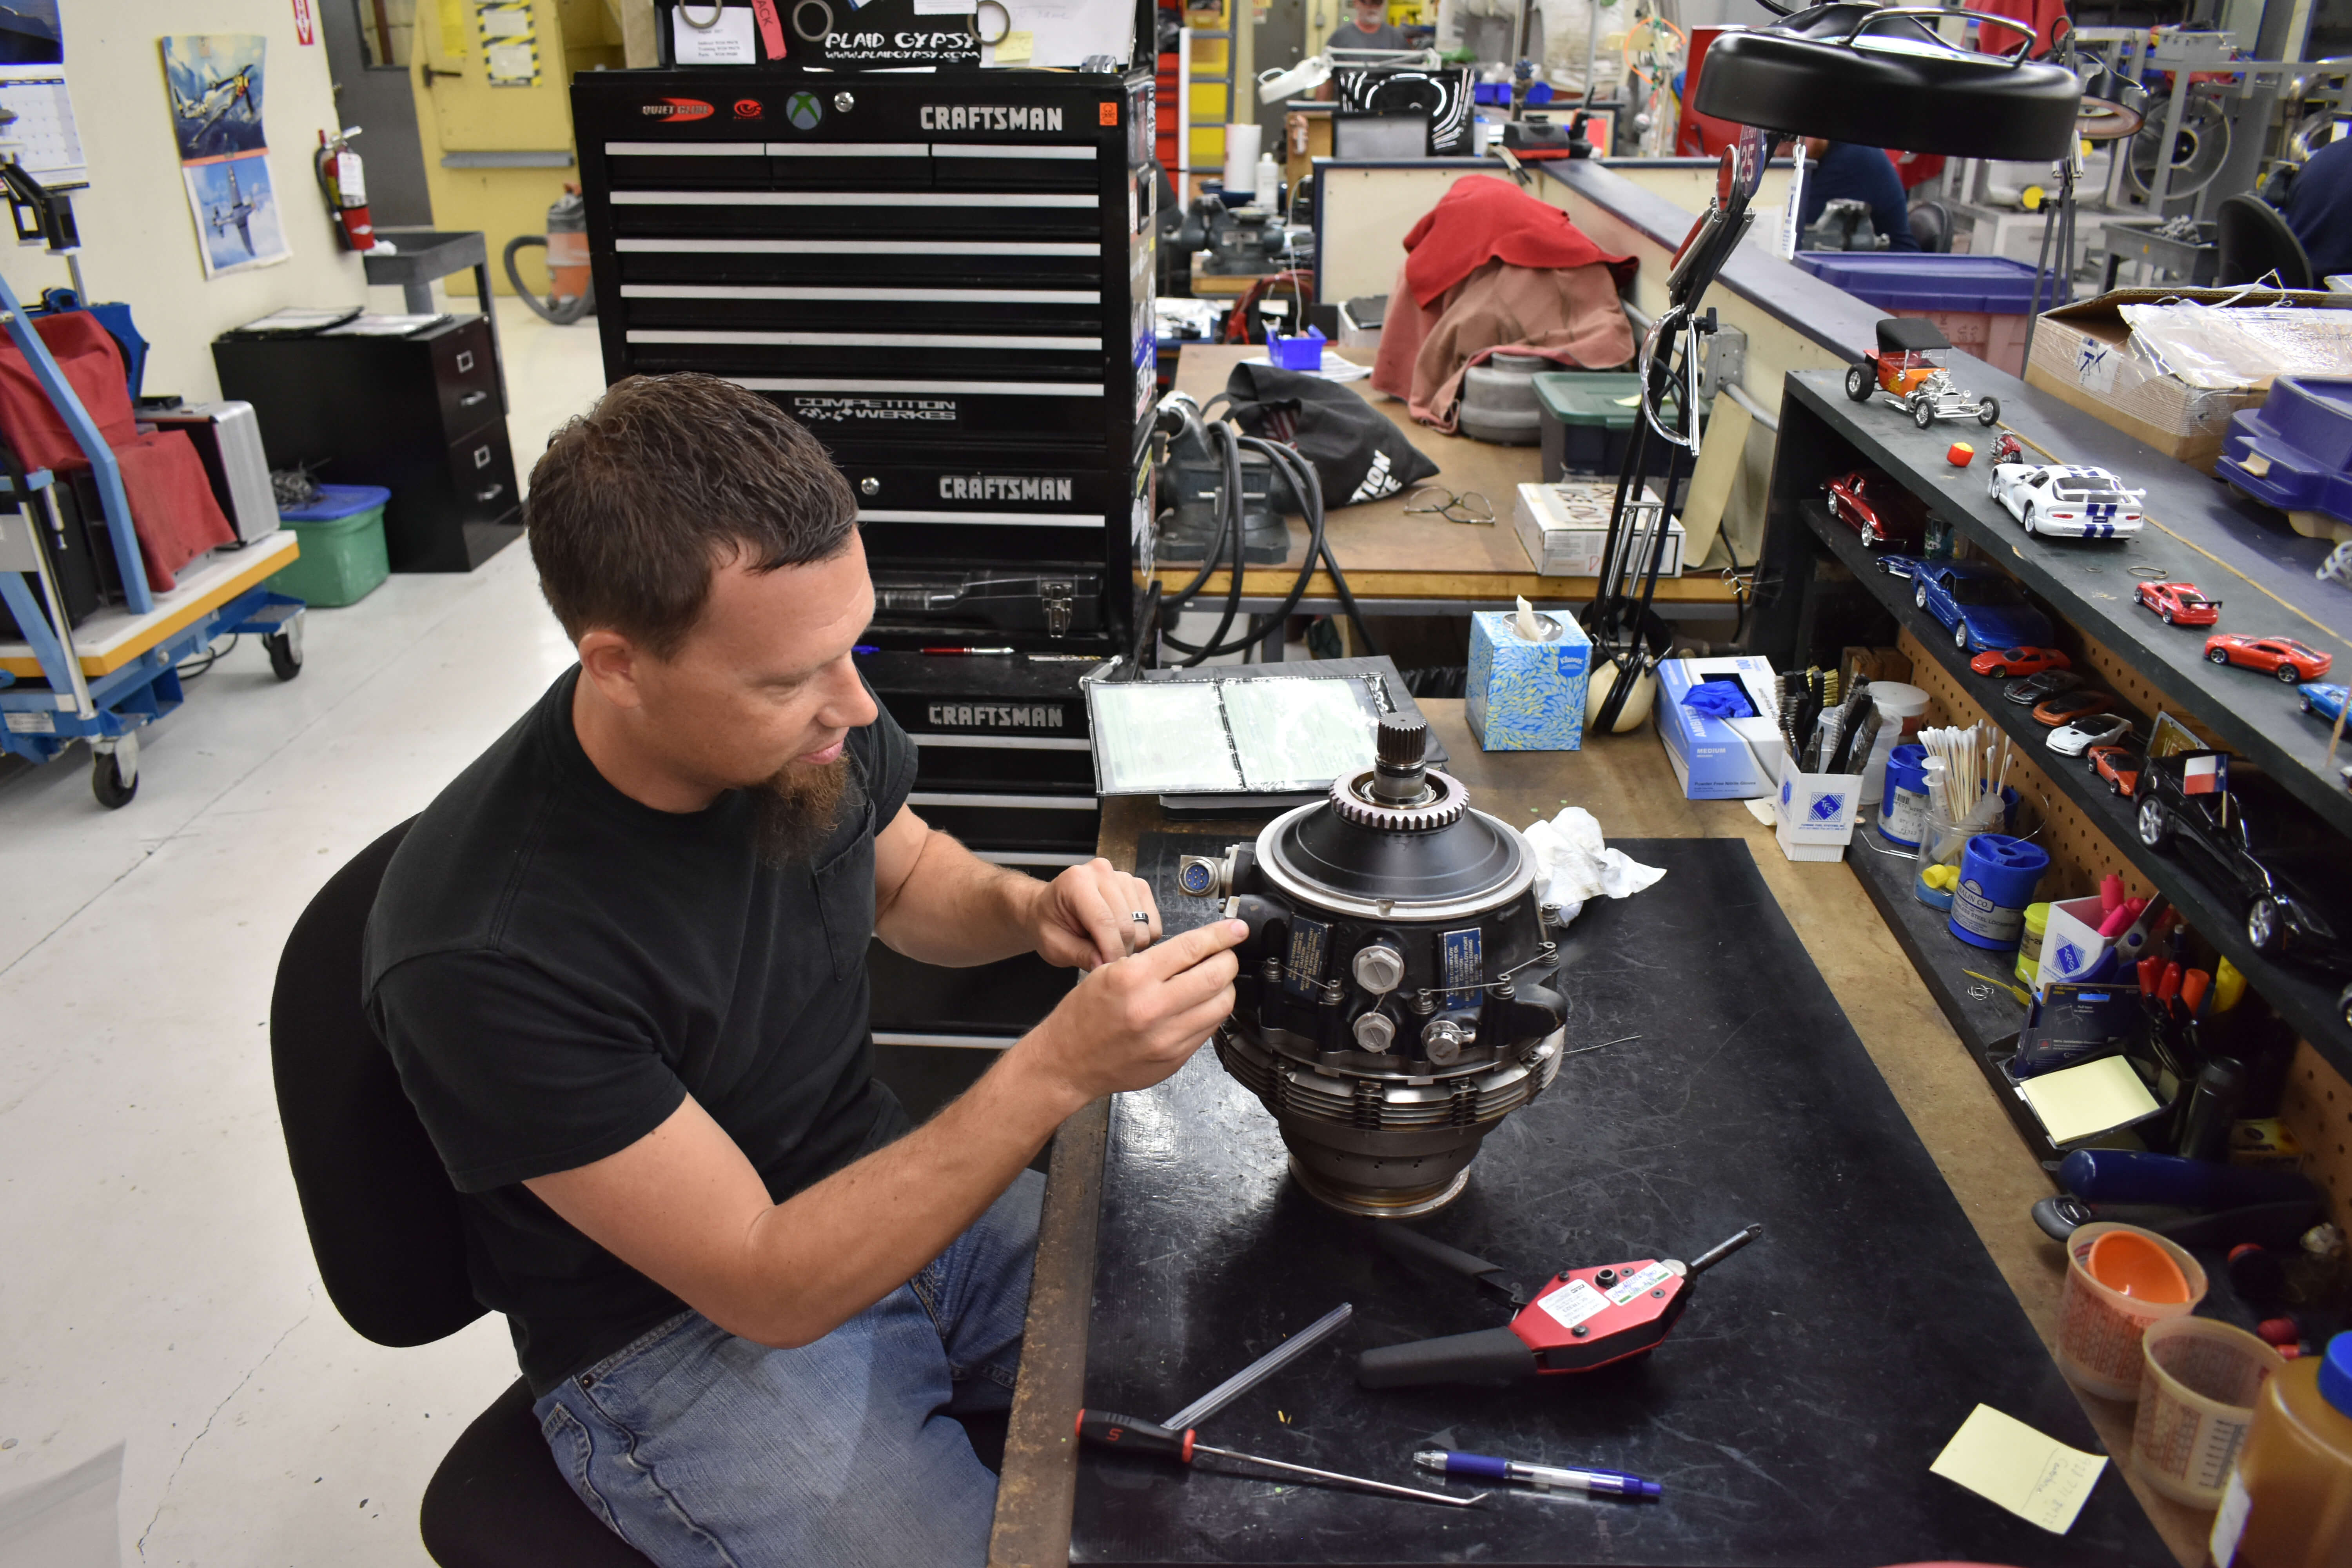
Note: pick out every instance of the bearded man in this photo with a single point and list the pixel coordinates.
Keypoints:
(620, 963)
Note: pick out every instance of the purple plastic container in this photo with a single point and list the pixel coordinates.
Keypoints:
(2294, 452)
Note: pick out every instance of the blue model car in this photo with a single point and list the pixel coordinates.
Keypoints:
(2322, 699)
(1980, 604)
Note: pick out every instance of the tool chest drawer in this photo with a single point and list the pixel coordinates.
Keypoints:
(482, 475)
(1004, 512)
(466, 377)
(993, 819)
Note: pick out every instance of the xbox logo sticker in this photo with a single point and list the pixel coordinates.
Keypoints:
(802, 110)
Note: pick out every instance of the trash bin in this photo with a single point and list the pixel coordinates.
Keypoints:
(342, 557)
(1980, 302)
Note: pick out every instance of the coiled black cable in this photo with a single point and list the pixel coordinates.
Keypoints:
(1308, 486)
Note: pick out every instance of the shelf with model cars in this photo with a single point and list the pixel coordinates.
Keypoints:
(2233, 554)
(2312, 1001)
(2304, 995)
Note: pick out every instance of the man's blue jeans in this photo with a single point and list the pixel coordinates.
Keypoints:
(701, 1449)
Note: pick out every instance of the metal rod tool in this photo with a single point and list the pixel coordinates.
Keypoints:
(1258, 1370)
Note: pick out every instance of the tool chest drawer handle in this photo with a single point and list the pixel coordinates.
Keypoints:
(477, 395)
(491, 494)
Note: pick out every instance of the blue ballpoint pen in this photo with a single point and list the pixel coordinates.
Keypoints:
(1615, 1483)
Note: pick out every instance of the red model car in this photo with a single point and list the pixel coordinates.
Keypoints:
(2288, 659)
(1878, 509)
(2073, 705)
(2118, 765)
(2179, 603)
(2019, 661)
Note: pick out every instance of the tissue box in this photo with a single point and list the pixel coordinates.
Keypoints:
(1719, 759)
(1812, 814)
(2071, 943)
(1526, 696)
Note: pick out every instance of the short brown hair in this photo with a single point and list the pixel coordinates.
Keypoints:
(636, 503)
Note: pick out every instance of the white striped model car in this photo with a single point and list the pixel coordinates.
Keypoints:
(2063, 498)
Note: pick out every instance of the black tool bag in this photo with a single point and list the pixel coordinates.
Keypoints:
(1357, 454)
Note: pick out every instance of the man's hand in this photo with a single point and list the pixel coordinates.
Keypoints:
(1131, 1023)
(1085, 916)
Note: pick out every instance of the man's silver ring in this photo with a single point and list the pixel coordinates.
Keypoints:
(1141, 918)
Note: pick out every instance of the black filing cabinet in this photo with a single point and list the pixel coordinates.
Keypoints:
(418, 414)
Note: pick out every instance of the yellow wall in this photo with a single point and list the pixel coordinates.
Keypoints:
(574, 36)
(139, 242)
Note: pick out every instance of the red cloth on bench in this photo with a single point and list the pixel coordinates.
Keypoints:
(173, 509)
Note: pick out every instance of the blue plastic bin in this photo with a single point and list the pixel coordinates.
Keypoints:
(1980, 303)
(1299, 351)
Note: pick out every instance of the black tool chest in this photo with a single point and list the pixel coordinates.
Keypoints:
(1005, 765)
(946, 276)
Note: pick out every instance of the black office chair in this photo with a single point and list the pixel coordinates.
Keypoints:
(385, 1228)
(2255, 241)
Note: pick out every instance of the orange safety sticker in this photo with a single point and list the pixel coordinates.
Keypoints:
(1110, 113)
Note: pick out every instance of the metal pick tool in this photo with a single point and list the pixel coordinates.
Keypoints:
(1258, 1370)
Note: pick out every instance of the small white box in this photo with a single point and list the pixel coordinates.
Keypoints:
(1565, 526)
(2071, 943)
(1812, 814)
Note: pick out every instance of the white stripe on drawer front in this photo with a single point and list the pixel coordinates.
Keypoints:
(851, 199)
(864, 339)
(918, 388)
(857, 247)
(994, 518)
(901, 296)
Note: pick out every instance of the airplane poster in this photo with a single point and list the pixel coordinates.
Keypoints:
(215, 80)
(238, 225)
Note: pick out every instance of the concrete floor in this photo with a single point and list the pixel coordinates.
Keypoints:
(158, 1289)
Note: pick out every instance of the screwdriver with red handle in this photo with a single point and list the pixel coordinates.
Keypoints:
(1134, 1436)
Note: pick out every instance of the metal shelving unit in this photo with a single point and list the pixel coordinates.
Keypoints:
(2088, 586)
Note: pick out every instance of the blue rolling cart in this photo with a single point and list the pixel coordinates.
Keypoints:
(119, 671)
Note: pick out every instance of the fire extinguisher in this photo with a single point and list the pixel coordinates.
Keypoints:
(345, 183)
(569, 293)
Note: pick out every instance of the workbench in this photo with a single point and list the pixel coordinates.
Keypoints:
(1627, 783)
(1416, 564)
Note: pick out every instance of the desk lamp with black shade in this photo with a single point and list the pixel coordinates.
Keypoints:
(1849, 71)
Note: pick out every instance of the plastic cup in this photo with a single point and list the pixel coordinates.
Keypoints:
(2130, 1263)
(2198, 1381)
(2100, 1329)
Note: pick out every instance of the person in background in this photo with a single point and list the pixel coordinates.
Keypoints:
(2319, 209)
(1842, 171)
(1368, 29)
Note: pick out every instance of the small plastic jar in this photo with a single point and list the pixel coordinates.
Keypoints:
(2029, 946)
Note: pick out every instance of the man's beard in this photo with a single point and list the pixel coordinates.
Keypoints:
(798, 808)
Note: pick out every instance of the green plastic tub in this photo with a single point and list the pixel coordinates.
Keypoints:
(1585, 427)
(342, 557)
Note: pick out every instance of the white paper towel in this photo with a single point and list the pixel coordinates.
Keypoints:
(1241, 157)
(1573, 864)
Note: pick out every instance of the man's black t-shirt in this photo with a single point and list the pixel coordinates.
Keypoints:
(555, 966)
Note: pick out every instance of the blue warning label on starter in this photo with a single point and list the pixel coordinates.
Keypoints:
(1464, 965)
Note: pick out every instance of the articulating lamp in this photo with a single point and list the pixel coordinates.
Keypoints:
(1848, 71)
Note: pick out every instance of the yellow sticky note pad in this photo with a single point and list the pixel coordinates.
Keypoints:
(1014, 48)
(2003, 1460)
(2077, 1102)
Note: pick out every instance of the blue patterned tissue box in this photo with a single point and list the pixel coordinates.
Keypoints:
(1526, 696)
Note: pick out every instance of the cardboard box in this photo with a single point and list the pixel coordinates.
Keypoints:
(1564, 525)
(1720, 759)
(2079, 357)
(1525, 696)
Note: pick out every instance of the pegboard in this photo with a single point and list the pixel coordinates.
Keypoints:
(2080, 854)
(2316, 1105)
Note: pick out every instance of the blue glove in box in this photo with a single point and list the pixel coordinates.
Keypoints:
(1523, 694)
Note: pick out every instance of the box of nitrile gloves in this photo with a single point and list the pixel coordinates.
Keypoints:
(1719, 753)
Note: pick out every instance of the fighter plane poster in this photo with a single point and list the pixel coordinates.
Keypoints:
(215, 82)
(236, 209)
